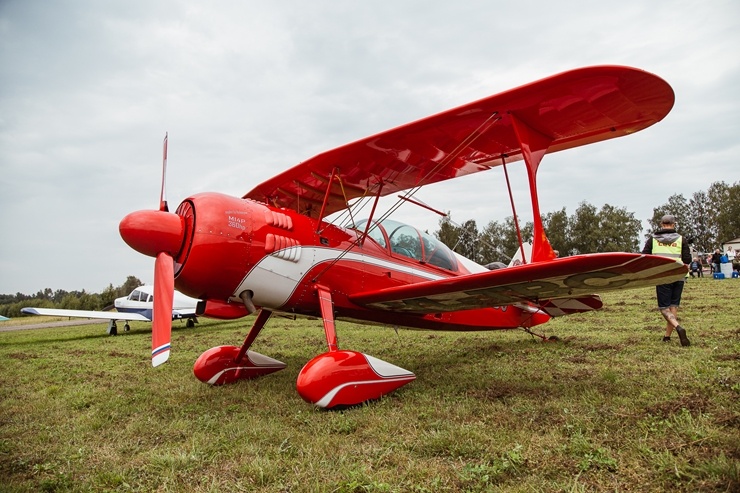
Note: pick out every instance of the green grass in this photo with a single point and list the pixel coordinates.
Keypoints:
(607, 408)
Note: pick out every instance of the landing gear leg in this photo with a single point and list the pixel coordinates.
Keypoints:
(227, 364)
(541, 336)
(259, 323)
(345, 378)
(112, 328)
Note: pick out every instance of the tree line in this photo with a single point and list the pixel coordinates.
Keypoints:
(706, 220)
(11, 304)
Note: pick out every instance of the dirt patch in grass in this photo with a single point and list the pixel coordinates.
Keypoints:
(727, 418)
(727, 357)
(592, 347)
(694, 403)
(579, 359)
(77, 352)
(118, 354)
(504, 391)
(22, 356)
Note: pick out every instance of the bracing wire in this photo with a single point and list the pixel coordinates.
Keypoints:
(467, 141)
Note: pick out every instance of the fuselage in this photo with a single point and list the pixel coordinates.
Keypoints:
(232, 245)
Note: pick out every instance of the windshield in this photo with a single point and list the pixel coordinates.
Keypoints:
(410, 242)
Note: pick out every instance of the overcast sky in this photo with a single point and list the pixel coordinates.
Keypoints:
(247, 89)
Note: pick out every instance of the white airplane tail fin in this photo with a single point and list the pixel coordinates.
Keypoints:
(517, 258)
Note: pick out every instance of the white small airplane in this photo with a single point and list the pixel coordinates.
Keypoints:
(137, 306)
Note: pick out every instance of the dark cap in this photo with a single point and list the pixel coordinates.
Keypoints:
(668, 219)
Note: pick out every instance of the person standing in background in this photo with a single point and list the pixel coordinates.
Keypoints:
(716, 260)
(667, 243)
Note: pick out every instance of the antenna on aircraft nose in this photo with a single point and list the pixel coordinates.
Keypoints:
(162, 195)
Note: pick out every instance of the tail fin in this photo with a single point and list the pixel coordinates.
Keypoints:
(517, 258)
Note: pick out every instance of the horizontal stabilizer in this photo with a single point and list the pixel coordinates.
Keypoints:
(566, 306)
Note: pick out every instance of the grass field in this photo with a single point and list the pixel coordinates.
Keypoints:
(607, 408)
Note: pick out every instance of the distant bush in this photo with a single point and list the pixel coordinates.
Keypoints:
(11, 304)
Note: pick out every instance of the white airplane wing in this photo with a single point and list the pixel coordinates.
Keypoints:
(54, 312)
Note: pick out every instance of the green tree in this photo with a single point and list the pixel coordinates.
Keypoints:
(698, 229)
(108, 296)
(467, 245)
(490, 244)
(727, 210)
(677, 206)
(463, 239)
(10, 305)
(584, 229)
(709, 219)
(557, 226)
(70, 302)
(499, 241)
(448, 233)
(132, 282)
(619, 230)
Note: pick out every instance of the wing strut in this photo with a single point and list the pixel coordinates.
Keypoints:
(513, 211)
(368, 225)
(327, 314)
(534, 146)
(326, 197)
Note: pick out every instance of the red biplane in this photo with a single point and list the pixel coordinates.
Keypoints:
(272, 250)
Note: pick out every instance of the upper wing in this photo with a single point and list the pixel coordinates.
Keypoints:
(570, 109)
(571, 277)
(85, 314)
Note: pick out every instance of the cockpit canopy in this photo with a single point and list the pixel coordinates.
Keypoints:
(408, 241)
(137, 295)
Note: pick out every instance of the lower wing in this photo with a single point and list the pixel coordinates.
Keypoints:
(559, 287)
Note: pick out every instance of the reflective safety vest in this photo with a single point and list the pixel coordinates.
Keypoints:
(671, 250)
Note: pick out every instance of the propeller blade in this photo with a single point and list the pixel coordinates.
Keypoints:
(162, 196)
(164, 292)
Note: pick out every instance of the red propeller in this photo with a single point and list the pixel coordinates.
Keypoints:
(158, 234)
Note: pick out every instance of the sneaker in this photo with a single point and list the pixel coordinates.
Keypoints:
(682, 335)
(666, 339)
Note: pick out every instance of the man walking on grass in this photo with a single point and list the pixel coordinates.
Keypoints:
(667, 243)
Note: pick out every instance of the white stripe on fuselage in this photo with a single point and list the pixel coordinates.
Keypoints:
(273, 280)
